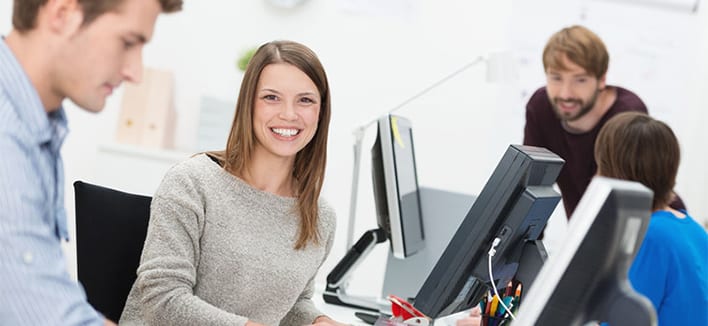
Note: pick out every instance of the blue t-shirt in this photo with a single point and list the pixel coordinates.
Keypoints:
(671, 269)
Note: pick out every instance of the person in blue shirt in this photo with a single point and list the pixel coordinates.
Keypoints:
(57, 49)
(671, 266)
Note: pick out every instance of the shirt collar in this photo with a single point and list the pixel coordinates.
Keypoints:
(25, 100)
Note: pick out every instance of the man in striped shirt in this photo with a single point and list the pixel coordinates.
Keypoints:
(57, 49)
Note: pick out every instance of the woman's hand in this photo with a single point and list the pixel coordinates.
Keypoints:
(250, 323)
(474, 319)
(326, 321)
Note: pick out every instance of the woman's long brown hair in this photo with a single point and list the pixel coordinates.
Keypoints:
(309, 168)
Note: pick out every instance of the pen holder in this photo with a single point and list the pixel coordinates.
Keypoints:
(494, 320)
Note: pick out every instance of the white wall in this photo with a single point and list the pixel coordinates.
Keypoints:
(377, 59)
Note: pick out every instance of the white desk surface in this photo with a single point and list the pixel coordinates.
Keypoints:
(339, 313)
(346, 315)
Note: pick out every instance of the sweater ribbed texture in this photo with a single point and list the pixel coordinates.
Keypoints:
(220, 252)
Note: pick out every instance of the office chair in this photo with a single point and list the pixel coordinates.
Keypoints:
(110, 232)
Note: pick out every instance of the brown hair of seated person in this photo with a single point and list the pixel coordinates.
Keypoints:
(634, 146)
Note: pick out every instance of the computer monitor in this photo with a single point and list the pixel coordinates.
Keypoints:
(398, 209)
(513, 206)
(395, 184)
(586, 280)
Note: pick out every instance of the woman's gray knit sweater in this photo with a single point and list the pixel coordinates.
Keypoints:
(220, 252)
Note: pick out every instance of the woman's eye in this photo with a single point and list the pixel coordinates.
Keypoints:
(307, 100)
(128, 44)
(270, 97)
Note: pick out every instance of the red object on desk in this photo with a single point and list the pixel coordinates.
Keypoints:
(401, 308)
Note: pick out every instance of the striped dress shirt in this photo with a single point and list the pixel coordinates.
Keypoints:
(35, 287)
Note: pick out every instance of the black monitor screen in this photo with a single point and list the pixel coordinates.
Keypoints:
(513, 206)
(396, 186)
(586, 281)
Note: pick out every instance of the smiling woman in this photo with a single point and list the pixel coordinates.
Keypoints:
(286, 113)
(237, 236)
(306, 173)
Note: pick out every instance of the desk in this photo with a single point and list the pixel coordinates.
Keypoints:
(346, 315)
(339, 313)
(442, 213)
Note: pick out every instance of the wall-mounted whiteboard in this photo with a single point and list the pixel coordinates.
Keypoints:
(686, 6)
(653, 49)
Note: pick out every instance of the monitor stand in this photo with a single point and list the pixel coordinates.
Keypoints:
(617, 297)
(442, 213)
(532, 259)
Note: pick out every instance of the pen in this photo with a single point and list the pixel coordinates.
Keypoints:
(517, 297)
(493, 309)
(488, 307)
(508, 302)
(509, 288)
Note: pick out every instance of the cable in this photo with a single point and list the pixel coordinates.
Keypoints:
(443, 80)
(359, 136)
(438, 83)
(492, 252)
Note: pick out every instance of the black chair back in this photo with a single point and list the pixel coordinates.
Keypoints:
(110, 232)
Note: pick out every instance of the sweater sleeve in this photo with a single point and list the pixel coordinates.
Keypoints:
(304, 311)
(168, 268)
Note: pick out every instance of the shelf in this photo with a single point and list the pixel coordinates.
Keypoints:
(157, 154)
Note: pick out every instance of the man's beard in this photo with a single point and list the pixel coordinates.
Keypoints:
(585, 108)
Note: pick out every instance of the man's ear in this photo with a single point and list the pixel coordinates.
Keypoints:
(62, 16)
(601, 82)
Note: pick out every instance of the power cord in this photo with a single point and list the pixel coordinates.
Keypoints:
(492, 252)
